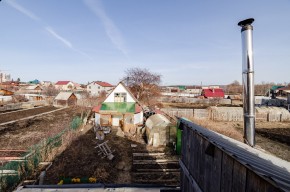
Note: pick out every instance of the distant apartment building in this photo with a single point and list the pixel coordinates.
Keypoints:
(4, 77)
(97, 87)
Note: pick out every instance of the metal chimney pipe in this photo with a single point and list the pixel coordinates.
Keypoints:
(248, 81)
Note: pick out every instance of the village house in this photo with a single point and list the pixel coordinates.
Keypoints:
(35, 82)
(5, 92)
(213, 93)
(120, 109)
(46, 83)
(31, 89)
(97, 87)
(193, 90)
(65, 99)
(65, 85)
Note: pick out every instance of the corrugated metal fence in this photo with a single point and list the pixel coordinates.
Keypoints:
(270, 114)
(212, 162)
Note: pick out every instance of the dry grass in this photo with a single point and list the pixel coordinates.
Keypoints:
(235, 130)
(227, 129)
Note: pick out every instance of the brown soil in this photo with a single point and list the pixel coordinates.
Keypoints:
(81, 160)
(25, 133)
(25, 113)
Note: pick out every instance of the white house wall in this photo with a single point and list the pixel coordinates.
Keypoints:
(65, 87)
(119, 89)
(97, 119)
(95, 89)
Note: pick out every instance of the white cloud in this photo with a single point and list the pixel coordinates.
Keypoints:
(49, 29)
(57, 36)
(111, 29)
(22, 10)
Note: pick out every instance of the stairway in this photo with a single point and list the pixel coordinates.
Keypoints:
(155, 168)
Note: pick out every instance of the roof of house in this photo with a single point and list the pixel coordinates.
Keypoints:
(5, 92)
(284, 88)
(275, 87)
(62, 82)
(103, 84)
(127, 89)
(32, 87)
(218, 92)
(35, 81)
(63, 95)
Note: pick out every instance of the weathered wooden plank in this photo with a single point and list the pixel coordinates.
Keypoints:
(208, 168)
(258, 184)
(158, 170)
(156, 173)
(239, 177)
(192, 154)
(147, 154)
(216, 171)
(201, 163)
(196, 156)
(156, 161)
(226, 173)
(155, 181)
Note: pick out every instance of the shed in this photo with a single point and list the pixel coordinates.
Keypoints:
(65, 99)
(159, 130)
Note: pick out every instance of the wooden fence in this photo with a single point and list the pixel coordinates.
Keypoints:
(212, 162)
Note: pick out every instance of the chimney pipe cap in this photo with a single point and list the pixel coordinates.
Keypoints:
(246, 22)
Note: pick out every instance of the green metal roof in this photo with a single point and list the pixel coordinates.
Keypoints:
(181, 87)
(274, 87)
(121, 107)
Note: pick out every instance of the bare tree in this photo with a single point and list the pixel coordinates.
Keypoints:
(234, 88)
(50, 91)
(143, 84)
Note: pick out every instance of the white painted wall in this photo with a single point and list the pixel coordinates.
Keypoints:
(65, 87)
(138, 118)
(97, 119)
(95, 89)
(119, 89)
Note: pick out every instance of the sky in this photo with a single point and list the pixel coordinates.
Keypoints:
(188, 42)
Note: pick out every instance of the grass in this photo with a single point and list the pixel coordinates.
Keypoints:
(234, 130)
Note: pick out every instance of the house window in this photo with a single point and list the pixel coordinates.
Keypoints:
(99, 87)
(89, 87)
(120, 97)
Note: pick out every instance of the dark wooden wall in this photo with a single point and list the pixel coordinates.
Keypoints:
(205, 167)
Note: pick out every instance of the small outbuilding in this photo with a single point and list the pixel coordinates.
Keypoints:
(159, 130)
(65, 99)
